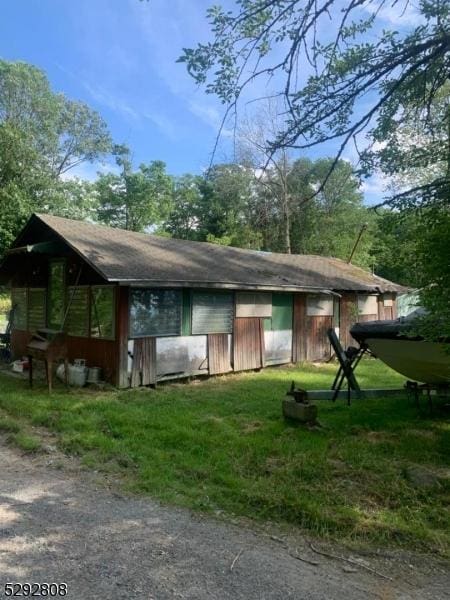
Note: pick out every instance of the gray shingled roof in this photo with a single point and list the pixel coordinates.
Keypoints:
(139, 258)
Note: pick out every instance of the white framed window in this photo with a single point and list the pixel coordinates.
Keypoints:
(253, 304)
(388, 300)
(319, 305)
(367, 304)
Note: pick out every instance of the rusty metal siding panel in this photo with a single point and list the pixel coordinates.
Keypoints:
(348, 316)
(248, 343)
(218, 353)
(97, 352)
(317, 345)
(148, 361)
(143, 370)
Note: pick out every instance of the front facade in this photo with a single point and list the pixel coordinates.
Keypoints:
(147, 309)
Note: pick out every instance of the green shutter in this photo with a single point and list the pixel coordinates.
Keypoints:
(186, 325)
(212, 312)
(19, 305)
(36, 309)
(267, 324)
(77, 320)
(282, 310)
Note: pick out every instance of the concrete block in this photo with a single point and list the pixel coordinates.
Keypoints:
(304, 413)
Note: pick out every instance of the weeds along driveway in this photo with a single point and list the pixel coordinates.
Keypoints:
(62, 525)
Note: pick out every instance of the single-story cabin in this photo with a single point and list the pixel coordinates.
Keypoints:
(146, 308)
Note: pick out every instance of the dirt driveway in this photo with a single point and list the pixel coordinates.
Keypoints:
(60, 524)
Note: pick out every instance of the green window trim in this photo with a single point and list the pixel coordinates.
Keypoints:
(186, 326)
(102, 312)
(155, 312)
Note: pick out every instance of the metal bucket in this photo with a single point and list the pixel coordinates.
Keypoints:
(93, 375)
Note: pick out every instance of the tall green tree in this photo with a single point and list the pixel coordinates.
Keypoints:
(395, 247)
(184, 220)
(134, 200)
(42, 136)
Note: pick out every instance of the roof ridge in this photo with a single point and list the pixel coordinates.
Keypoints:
(43, 217)
(120, 255)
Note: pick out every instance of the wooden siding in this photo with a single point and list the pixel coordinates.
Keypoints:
(218, 353)
(317, 343)
(383, 311)
(144, 362)
(348, 316)
(309, 336)
(248, 343)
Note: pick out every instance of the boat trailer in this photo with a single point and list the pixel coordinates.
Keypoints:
(348, 361)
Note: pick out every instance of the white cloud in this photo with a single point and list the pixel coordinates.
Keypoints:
(111, 100)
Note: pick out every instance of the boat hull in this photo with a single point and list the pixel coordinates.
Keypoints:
(418, 360)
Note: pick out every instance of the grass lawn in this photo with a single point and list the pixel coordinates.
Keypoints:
(221, 446)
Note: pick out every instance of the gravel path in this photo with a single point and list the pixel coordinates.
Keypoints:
(58, 523)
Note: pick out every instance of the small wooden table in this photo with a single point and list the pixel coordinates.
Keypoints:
(49, 346)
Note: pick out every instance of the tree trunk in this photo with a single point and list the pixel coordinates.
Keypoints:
(287, 221)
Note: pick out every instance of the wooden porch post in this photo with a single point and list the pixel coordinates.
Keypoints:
(122, 338)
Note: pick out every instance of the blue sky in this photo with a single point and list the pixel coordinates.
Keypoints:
(119, 57)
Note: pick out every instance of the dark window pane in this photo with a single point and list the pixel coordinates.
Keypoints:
(212, 312)
(56, 295)
(36, 309)
(155, 312)
(102, 312)
(77, 321)
(19, 304)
